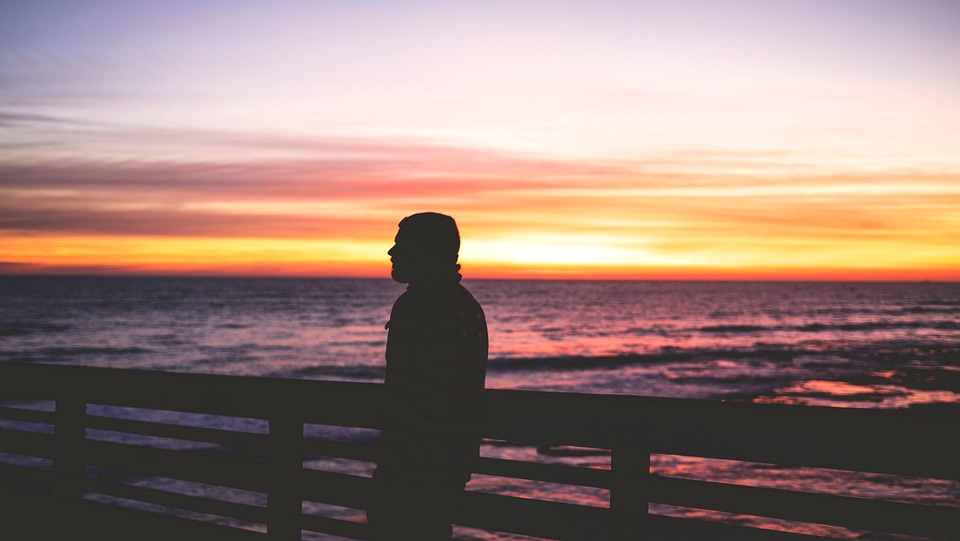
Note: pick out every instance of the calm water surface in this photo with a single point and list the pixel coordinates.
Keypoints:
(839, 344)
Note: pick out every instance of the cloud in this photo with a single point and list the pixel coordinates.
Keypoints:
(9, 267)
(341, 192)
(672, 209)
(15, 120)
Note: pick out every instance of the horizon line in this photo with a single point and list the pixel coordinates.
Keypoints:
(546, 278)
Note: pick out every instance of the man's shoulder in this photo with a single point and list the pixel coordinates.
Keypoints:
(409, 308)
(410, 301)
(468, 297)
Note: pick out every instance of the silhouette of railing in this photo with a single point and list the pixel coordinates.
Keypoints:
(89, 444)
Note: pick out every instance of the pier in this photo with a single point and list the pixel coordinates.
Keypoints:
(68, 467)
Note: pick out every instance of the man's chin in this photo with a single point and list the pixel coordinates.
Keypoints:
(399, 276)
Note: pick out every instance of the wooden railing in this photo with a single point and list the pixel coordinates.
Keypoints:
(68, 434)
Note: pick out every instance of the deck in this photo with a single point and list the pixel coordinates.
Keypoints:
(67, 467)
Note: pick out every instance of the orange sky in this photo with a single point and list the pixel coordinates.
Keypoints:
(691, 140)
(518, 218)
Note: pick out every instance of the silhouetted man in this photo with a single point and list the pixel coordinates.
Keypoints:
(436, 364)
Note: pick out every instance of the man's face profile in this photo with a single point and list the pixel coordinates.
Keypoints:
(403, 258)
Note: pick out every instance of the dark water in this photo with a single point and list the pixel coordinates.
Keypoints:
(886, 345)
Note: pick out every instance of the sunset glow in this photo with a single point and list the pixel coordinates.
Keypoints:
(691, 140)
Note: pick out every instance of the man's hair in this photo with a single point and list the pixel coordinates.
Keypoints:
(438, 233)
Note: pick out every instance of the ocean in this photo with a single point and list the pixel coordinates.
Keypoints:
(864, 345)
(887, 345)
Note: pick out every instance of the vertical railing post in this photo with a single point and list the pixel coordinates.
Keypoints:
(284, 498)
(630, 468)
(69, 435)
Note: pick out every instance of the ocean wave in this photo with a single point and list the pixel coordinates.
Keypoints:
(831, 327)
(612, 362)
(943, 302)
(357, 372)
(947, 309)
(880, 325)
(736, 328)
(66, 352)
(232, 326)
(17, 328)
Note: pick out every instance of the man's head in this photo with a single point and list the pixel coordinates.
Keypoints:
(426, 247)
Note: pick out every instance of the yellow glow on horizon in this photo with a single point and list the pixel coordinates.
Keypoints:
(530, 257)
(195, 255)
(553, 250)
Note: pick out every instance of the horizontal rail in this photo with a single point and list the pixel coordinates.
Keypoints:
(25, 473)
(245, 475)
(534, 471)
(846, 511)
(337, 449)
(191, 433)
(336, 489)
(539, 518)
(27, 443)
(29, 415)
(32, 516)
(912, 443)
(188, 502)
(342, 528)
(663, 528)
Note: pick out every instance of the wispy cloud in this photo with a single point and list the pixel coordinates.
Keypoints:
(18, 119)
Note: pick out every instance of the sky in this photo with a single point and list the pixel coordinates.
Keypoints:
(710, 139)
